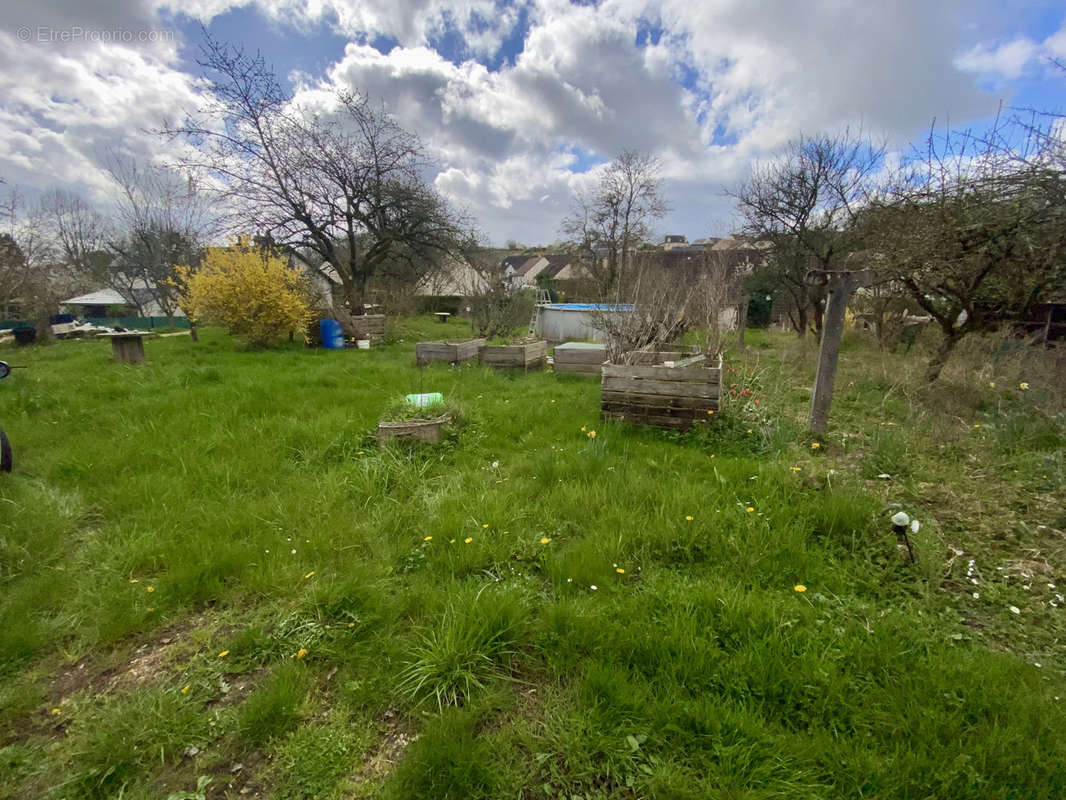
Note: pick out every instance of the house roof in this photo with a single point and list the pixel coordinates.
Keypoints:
(556, 264)
(104, 297)
(514, 262)
(528, 265)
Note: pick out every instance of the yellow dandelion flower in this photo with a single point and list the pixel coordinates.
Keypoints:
(749, 509)
(992, 384)
(451, 541)
(55, 710)
(427, 538)
(815, 445)
(749, 430)
(351, 624)
(977, 424)
(592, 434)
(223, 654)
(301, 652)
(710, 410)
(689, 518)
(150, 589)
(185, 689)
(795, 469)
(799, 587)
(468, 539)
(545, 540)
(553, 401)
(310, 574)
(134, 580)
(620, 571)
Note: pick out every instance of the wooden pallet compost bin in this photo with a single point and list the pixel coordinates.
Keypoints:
(580, 358)
(448, 352)
(418, 430)
(666, 397)
(521, 356)
(365, 326)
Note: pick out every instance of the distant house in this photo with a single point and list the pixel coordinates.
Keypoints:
(140, 299)
(524, 276)
(673, 241)
(455, 278)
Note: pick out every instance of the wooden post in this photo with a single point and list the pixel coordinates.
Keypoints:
(128, 348)
(839, 287)
(742, 319)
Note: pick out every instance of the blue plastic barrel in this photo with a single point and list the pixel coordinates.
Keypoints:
(332, 335)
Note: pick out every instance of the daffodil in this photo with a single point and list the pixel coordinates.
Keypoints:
(1023, 386)
(592, 434)
(584, 428)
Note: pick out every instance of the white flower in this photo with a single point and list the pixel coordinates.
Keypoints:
(593, 588)
(914, 526)
(884, 476)
(901, 519)
(976, 595)
(1015, 610)
(495, 464)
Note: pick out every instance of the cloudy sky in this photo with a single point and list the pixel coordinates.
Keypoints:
(520, 102)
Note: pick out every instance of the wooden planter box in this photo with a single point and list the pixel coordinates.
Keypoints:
(448, 352)
(580, 358)
(419, 430)
(666, 397)
(367, 326)
(521, 356)
(649, 358)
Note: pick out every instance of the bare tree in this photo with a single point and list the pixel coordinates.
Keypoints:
(29, 279)
(607, 223)
(802, 203)
(973, 233)
(342, 189)
(161, 221)
(79, 231)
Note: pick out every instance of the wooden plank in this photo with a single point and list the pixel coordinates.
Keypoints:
(578, 369)
(658, 400)
(673, 388)
(678, 423)
(696, 374)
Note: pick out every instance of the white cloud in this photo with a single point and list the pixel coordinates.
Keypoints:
(1013, 58)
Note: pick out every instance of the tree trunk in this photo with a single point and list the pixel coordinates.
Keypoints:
(193, 334)
(943, 353)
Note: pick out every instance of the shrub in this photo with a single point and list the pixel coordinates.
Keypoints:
(250, 290)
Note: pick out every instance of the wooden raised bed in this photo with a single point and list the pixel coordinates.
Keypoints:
(580, 358)
(654, 357)
(448, 352)
(521, 356)
(419, 430)
(666, 397)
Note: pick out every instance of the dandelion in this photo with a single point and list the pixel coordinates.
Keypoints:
(1023, 386)
(351, 624)
(55, 710)
(185, 689)
(223, 654)
(134, 580)
(796, 469)
(799, 587)
(710, 411)
(150, 589)
(495, 464)
(688, 518)
(485, 525)
(592, 434)
(620, 571)
(310, 574)
(553, 401)
(468, 539)
(749, 430)
(749, 509)
(977, 424)
(301, 652)
(428, 538)
(815, 445)
(544, 540)
(451, 541)
(992, 384)
(293, 551)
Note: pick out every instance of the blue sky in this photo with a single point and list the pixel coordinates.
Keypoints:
(519, 103)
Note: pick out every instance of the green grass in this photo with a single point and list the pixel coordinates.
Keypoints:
(525, 610)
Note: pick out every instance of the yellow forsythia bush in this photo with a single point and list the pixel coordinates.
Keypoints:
(248, 289)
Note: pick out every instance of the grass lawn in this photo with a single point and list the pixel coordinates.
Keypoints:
(211, 574)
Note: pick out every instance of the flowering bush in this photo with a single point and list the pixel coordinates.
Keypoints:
(249, 290)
